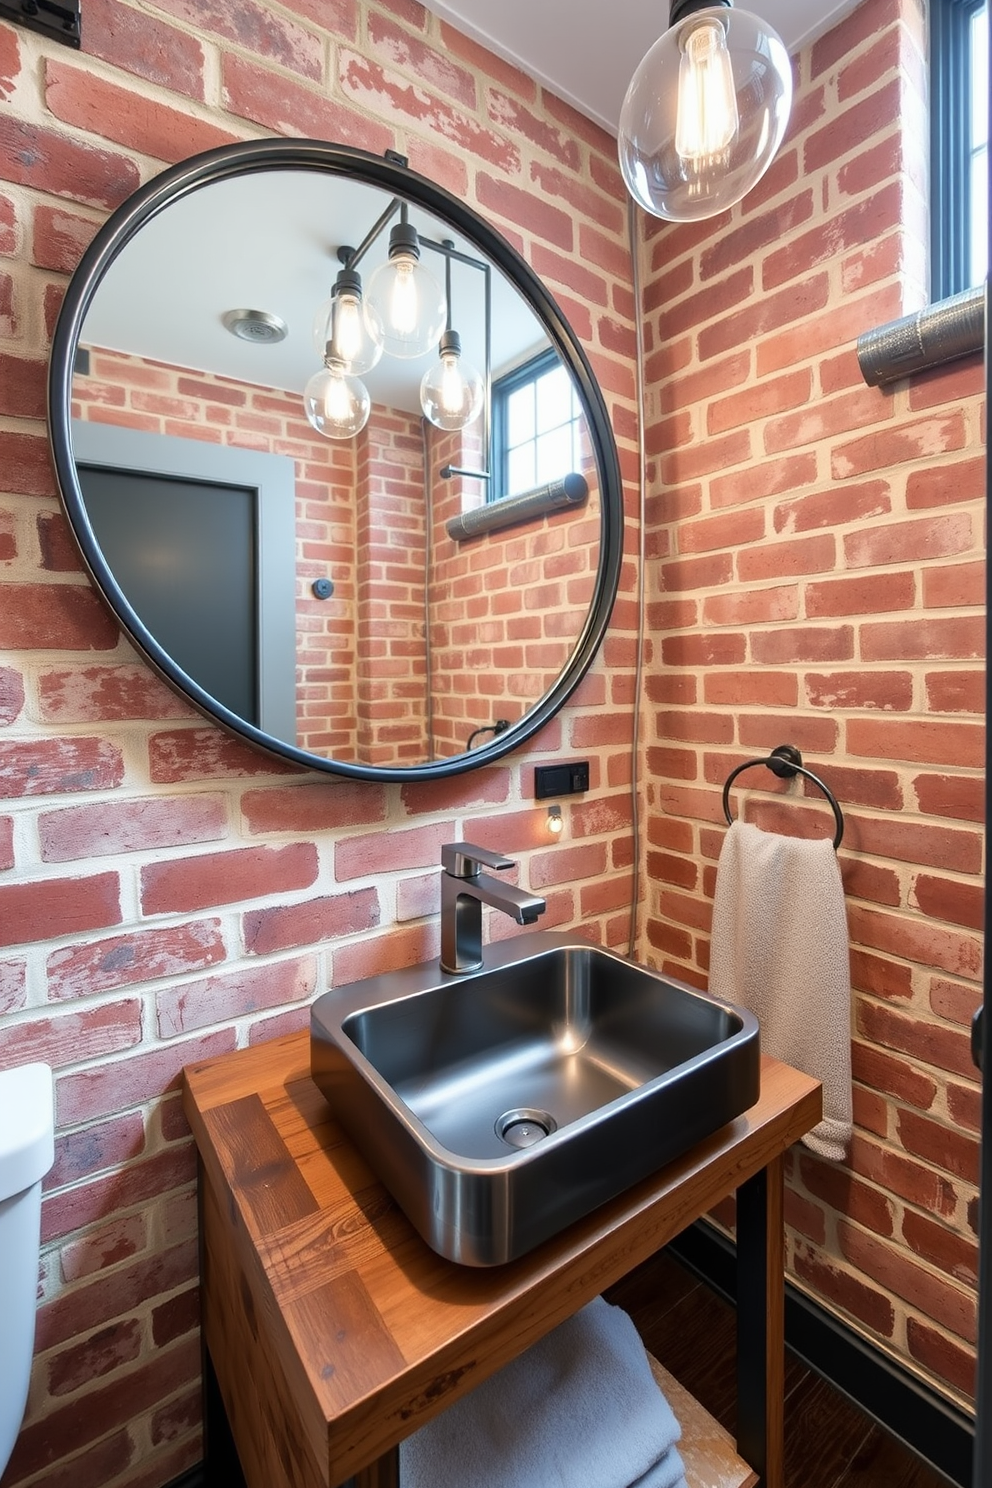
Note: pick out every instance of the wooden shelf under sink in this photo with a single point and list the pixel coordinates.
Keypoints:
(334, 1331)
(707, 1448)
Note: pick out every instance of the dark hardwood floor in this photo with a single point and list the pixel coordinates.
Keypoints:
(829, 1442)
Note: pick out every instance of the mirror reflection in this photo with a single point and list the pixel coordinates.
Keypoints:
(390, 595)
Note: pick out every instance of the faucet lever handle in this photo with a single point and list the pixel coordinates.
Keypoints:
(465, 860)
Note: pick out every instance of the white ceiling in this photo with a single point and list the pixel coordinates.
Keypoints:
(586, 50)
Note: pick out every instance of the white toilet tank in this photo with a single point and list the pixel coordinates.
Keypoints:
(27, 1151)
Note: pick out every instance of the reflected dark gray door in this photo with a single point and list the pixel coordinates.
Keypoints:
(186, 555)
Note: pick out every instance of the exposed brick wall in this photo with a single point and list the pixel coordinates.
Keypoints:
(165, 892)
(816, 577)
(136, 393)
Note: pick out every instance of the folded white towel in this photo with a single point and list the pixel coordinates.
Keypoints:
(779, 947)
(579, 1409)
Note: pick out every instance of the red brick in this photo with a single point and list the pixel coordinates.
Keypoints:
(63, 617)
(863, 222)
(82, 1420)
(706, 304)
(93, 694)
(395, 46)
(10, 61)
(788, 646)
(104, 1247)
(47, 160)
(953, 383)
(127, 118)
(879, 975)
(282, 105)
(846, 1194)
(764, 315)
(951, 1150)
(954, 584)
(180, 755)
(118, 1085)
(11, 694)
(221, 999)
(129, 826)
(899, 445)
(387, 952)
(944, 1248)
(6, 842)
(390, 96)
(193, 883)
(891, 1076)
(951, 795)
(255, 28)
(944, 1048)
(750, 686)
(889, 692)
(515, 118)
(68, 1038)
(787, 557)
(33, 767)
(948, 899)
(142, 44)
(908, 542)
(943, 1356)
(901, 1175)
(124, 960)
(946, 484)
(495, 68)
(956, 692)
(956, 637)
(703, 650)
(914, 1284)
(13, 986)
(914, 940)
(60, 906)
(817, 334)
(823, 419)
(759, 481)
(954, 1001)
(918, 741)
(89, 1150)
(919, 843)
(22, 386)
(850, 1293)
(870, 594)
(589, 284)
(310, 922)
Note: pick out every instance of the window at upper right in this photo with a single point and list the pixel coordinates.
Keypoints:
(959, 141)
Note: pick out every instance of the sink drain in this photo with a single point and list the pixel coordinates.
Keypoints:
(524, 1128)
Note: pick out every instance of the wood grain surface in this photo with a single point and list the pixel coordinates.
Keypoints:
(334, 1330)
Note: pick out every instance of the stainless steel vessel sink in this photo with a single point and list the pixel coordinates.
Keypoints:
(501, 1106)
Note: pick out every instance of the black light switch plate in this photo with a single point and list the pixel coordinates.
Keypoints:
(561, 780)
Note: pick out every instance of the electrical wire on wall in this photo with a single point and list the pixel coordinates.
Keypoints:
(426, 428)
(635, 798)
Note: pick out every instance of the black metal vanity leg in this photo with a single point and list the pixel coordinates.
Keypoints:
(761, 1324)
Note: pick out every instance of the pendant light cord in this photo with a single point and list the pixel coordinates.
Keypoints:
(635, 792)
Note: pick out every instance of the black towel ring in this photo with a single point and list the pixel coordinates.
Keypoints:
(785, 762)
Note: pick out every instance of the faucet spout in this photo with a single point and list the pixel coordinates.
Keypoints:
(464, 890)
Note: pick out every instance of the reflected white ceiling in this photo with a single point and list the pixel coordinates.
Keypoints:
(586, 50)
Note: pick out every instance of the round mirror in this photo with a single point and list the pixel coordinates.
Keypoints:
(360, 555)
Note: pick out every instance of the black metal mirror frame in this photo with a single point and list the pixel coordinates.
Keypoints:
(396, 179)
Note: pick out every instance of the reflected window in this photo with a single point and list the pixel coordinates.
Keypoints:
(959, 135)
(537, 426)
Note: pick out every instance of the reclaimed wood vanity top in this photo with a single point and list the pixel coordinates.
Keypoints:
(334, 1330)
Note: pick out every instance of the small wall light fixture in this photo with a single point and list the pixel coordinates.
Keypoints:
(706, 111)
(556, 823)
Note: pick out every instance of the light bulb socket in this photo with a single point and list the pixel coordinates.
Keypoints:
(450, 342)
(348, 281)
(682, 8)
(403, 240)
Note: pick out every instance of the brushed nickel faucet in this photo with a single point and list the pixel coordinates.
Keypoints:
(464, 890)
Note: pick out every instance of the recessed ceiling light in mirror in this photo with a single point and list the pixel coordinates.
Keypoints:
(257, 326)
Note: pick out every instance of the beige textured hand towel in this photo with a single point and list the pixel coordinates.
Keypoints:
(780, 948)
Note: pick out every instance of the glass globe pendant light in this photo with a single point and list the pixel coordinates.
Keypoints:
(337, 403)
(706, 111)
(405, 307)
(339, 328)
(452, 391)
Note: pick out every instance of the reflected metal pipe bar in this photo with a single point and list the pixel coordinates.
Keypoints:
(570, 491)
(940, 333)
